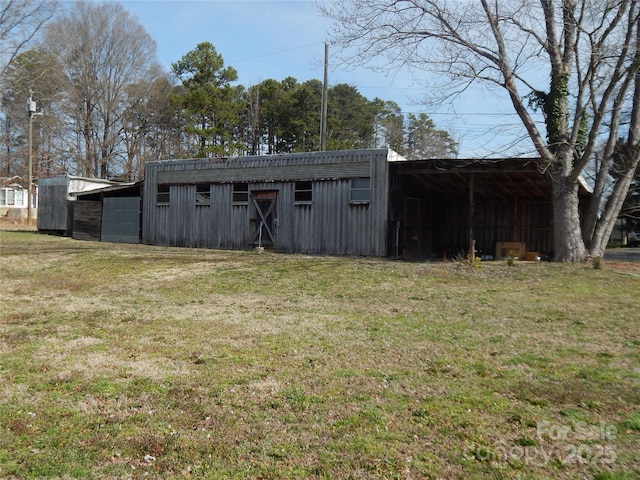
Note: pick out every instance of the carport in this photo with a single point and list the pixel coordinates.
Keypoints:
(440, 206)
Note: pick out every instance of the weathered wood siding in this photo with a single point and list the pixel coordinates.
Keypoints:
(331, 224)
(86, 219)
(515, 220)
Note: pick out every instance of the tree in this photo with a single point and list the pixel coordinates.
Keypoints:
(33, 73)
(152, 129)
(630, 211)
(209, 102)
(389, 125)
(20, 22)
(249, 128)
(350, 119)
(305, 119)
(284, 117)
(424, 140)
(275, 102)
(102, 50)
(576, 62)
(267, 116)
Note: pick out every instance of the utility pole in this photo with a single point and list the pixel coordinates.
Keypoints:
(323, 113)
(31, 105)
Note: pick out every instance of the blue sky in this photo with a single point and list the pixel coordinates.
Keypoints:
(275, 39)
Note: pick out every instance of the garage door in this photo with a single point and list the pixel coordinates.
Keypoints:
(120, 220)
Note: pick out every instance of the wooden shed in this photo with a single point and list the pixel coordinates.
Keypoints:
(322, 202)
(55, 197)
(359, 202)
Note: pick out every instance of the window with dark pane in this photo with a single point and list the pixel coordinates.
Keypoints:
(163, 196)
(240, 193)
(203, 194)
(303, 193)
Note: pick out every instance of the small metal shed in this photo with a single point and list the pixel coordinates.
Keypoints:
(55, 200)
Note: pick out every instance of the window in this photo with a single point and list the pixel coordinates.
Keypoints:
(303, 193)
(360, 190)
(20, 200)
(10, 197)
(163, 196)
(203, 194)
(241, 194)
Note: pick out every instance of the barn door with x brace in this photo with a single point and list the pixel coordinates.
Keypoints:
(264, 220)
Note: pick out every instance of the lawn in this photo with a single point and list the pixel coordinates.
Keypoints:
(133, 361)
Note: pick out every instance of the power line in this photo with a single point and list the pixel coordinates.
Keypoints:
(262, 55)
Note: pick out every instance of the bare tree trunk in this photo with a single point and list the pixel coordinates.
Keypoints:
(599, 191)
(88, 167)
(626, 164)
(607, 221)
(104, 150)
(568, 243)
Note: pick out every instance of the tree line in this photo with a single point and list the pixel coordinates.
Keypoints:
(108, 107)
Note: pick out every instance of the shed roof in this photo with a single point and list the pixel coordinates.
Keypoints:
(286, 167)
(123, 189)
(492, 178)
(75, 183)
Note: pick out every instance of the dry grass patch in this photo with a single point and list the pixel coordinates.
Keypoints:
(131, 361)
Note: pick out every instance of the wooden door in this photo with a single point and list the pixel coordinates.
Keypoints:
(265, 218)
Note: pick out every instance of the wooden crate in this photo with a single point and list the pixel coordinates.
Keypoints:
(504, 248)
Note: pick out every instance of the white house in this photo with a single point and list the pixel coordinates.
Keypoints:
(14, 200)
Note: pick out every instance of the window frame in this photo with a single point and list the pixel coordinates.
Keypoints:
(357, 190)
(20, 198)
(302, 190)
(203, 195)
(240, 194)
(163, 195)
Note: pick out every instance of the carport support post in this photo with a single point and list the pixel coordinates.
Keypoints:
(472, 242)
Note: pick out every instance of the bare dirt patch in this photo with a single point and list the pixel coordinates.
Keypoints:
(628, 267)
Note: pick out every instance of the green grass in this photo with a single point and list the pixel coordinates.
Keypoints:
(133, 361)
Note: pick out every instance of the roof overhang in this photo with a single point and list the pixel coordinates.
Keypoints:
(504, 178)
(120, 190)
